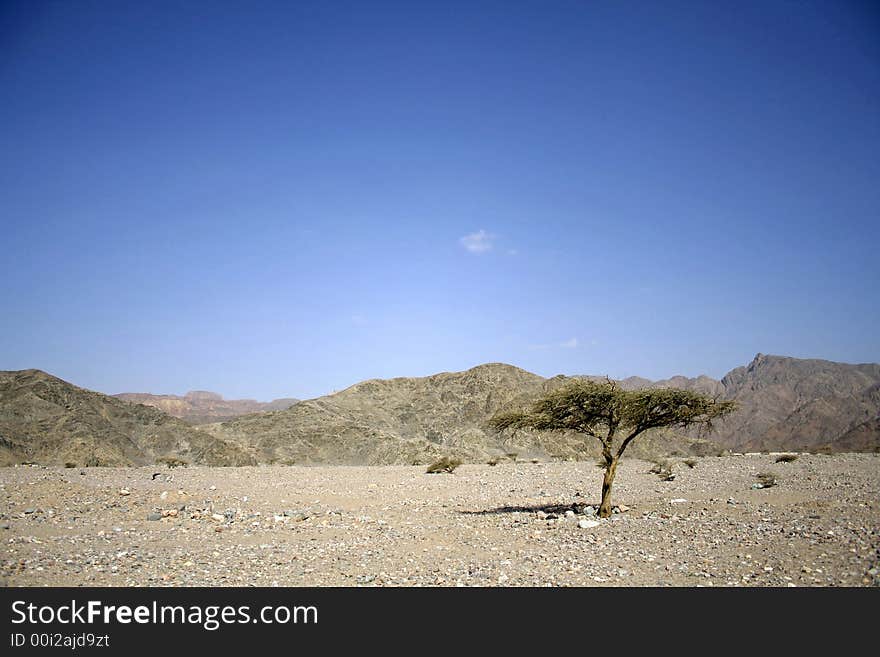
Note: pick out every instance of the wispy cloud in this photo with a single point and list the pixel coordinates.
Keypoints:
(478, 242)
(571, 343)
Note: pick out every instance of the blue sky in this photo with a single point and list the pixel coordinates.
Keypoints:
(272, 199)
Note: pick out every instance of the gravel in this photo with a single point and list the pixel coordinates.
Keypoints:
(515, 524)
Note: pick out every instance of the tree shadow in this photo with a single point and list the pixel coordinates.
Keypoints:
(557, 509)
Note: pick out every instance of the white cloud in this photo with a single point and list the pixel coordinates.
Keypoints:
(566, 344)
(478, 242)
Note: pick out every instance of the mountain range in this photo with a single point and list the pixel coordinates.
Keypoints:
(49, 421)
(784, 404)
(203, 407)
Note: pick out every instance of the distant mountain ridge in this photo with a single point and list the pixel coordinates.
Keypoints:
(203, 407)
(49, 421)
(413, 420)
(784, 404)
(792, 403)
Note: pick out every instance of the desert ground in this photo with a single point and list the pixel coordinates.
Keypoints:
(503, 525)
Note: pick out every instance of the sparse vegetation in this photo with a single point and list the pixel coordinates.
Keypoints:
(663, 469)
(172, 462)
(512, 456)
(70, 464)
(444, 464)
(765, 479)
(786, 458)
(493, 461)
(615, 417)
(691, 463)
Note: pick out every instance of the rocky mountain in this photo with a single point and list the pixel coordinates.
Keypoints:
(49, 421)
(785, 404)
(791, 403)
(203, 407)
(414, 420)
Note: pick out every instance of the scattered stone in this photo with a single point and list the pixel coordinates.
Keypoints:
(124, 492)
(588, 524)
(154, 516)
(29, 511)
(217, 517)
(678, 500)
(623, 508)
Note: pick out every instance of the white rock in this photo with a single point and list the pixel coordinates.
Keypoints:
(588, 524)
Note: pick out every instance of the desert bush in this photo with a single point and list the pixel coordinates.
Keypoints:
(512, 456)
(691, 463)
(172, 462)
(493, 461)
(766, 479)
(445, 464)
(786, 458)
(663, 469)
(70, 464)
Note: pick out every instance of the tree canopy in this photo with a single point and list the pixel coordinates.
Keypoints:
(613, 416)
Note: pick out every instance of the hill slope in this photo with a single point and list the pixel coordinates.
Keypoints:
(791, 403)
(406, 420)
(785, 403)
(46, 420)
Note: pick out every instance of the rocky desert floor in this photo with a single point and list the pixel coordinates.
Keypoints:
(514, 524)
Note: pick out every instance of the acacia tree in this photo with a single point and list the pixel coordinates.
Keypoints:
(615, 417)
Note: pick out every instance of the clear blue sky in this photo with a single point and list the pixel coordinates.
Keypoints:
(270, 199)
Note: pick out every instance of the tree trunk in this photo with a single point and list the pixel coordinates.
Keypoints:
(607, 481)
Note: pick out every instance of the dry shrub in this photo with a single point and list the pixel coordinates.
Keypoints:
(445, 464)
(786, 458)
(172, 462)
